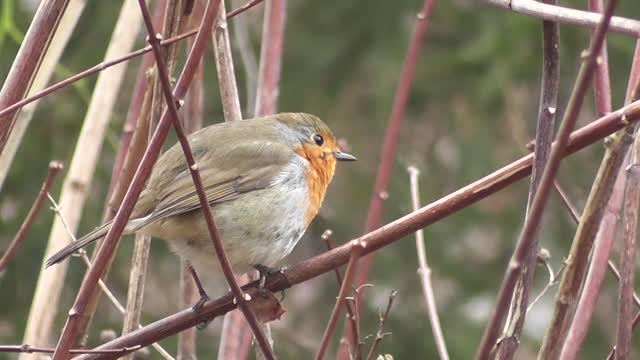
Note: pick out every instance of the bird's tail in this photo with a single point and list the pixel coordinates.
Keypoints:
(80, 243)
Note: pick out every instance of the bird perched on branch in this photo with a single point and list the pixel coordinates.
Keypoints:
(265, 179)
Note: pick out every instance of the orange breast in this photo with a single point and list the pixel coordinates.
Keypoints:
(318, 176)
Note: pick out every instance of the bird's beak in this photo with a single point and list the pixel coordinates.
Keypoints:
(344, 156)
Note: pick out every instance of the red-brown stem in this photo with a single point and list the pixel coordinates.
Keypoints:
(270, 57)
(380, 334)
(602, 83)
(54, 168)
(197, 180)
(326, 237)
(424, 271)
(547, 110)
(530, 228)
(24, 68)
(357, 246)
(576, 219)
(193, 120)
(33, 349)
(602, 248)
(564, 15)
(151, 154)
(15, 105)
(389, 148)
(382, 236)
(627, 256)
(243, 8)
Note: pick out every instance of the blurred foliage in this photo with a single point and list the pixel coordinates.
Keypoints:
(472, 109)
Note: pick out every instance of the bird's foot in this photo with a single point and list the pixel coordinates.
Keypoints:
(264, 272)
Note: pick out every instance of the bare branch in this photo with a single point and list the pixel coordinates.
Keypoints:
(54, 168)
(149, 158)
(389, 148)
(356, 248)
(381, 237)
(380, 334)
(424, 271)
(563, 15)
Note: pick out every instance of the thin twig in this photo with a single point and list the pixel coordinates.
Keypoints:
(627, 254)
(224, 68)
(54, 168)
(270, 57)
(356, 248)
(193, 120)
(33, 349)
(244, 47)
(533, 219)
(424, 271)
(50, 61)
(101, 283)
(563, 15)
(172, 17)
(604, 239)
(78, 179)
(13, 106)
(25, 65)
(602, 82)
(380, 334)
(351, 312)
(389, 147)
(151, 154)
(243, 8)
(197, 180)
(392, 232)
(553, 279)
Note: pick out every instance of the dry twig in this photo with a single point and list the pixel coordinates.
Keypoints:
(380, 334)
(530, 228)
(424, 271)
(54, 167)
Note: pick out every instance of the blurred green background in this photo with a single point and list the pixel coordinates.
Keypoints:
(472, 109)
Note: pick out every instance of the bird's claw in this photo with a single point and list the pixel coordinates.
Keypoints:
(197, 307)
(264, 272)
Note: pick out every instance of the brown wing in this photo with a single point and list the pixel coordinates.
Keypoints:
(248, 166)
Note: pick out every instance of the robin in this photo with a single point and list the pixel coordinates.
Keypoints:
(265, 179)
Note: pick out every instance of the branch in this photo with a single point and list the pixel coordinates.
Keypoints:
(170, 98)
(356, 248)
(54, 167)
(381, 237)
(15, 105)
(270, 57)
(532, 222)
(137, 184)
(25, 65)
(380, 334)
(424, 271)
(547, 110)
(563, 15)
(603, 243)
(389, 148)
(33, 349)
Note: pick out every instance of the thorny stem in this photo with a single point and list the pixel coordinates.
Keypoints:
(197, 180)
(139, 179)
(54, 168)
(381, 237)
(532, 222)
(424, 271)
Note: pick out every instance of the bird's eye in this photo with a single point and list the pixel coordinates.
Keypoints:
(318, 139)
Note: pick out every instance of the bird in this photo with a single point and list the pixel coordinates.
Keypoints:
(265, 179)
